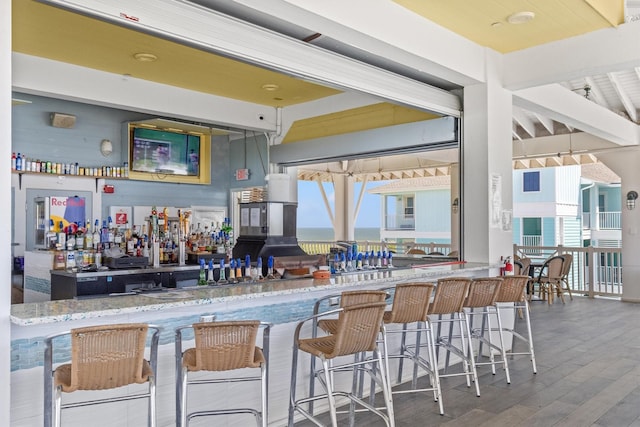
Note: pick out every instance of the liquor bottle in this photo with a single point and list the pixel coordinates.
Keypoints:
(239, 270)
(259, 268)
(96, 234)
(13, 161)
(19, 162)
(110, 232)
(202, 280)
(232, 271)
(223, 274)
(71, 239)
(51, 237)
(88, 237)
(247, 267)
(210, 272)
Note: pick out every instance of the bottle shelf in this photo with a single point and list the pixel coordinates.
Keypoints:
(64, 176)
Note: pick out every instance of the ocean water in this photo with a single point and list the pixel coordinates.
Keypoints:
(326, 234)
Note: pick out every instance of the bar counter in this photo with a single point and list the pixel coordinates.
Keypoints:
(281, 302)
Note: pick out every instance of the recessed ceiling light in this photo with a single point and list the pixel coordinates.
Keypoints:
(521, 17)
(496, 24)
(145, 57)
(270, 87)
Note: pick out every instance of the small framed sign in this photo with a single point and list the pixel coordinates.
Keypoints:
(242, 174)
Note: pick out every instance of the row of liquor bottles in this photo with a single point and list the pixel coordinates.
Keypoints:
(21, 163)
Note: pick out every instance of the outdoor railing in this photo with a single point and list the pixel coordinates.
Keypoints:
(609, 221)
(601, 221)
(594, 271)
(400, 222)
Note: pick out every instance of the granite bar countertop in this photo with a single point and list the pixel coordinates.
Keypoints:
(78, 309)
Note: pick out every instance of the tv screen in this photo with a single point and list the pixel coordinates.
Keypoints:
(163, 152)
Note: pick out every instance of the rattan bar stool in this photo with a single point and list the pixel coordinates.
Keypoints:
(447, 309)
(480, 302)
(222, 346)
(329, 326)
(102, 357)
(410, 309)
(357, 331)
(512, 297)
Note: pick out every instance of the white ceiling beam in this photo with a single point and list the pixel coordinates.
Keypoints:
(344, 21)
(514, 132)
(596, 93)
(597, 52)
(61, 80)
(564, 106)
(524, 121)
(203, 28)
(624, 98)
(546, 122)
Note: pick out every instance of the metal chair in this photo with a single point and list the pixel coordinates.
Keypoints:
(222, 346)
(410, 309)
(330, 326)
(480, 302)
(449, 301)
(512, 297)
(357, 330)
(102, 357)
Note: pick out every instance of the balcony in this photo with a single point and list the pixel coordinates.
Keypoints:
(400, 222)
(601, 221)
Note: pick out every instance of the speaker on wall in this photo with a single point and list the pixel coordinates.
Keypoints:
(60, 120)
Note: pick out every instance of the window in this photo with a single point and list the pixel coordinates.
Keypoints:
(408, 206)
(532, 226)
(531, 181)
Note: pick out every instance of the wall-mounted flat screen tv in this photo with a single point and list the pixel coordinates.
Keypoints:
(167, 151)
(162, 152)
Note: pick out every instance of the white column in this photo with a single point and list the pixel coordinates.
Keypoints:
(5, 214)
(487, 153)
(344, 220)
(625, 164)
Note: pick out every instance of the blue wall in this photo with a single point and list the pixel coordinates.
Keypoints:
(433, 210)
(34, 137)
(548, 231)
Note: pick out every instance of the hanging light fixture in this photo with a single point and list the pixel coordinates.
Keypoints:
(631, 199)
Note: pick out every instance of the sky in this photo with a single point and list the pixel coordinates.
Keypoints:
(312, 211)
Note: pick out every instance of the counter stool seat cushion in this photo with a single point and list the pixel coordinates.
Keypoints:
(62, 378)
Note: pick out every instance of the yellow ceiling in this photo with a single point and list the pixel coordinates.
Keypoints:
(45, 31)
(485, 22)
(358, 119)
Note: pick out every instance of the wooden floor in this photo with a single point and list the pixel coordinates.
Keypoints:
(588, 357)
